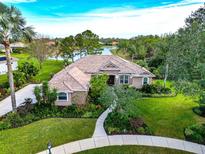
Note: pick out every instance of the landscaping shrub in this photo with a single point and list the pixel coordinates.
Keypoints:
(14, 119)
(27, 114)
(98, 84)
(155, 89)
(150, 89)
(28, 69)
(25, 107)
(195, 133)
(202, 104)
(45, 95)
(118, 124)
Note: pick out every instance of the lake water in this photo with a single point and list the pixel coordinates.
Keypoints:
(106, 51)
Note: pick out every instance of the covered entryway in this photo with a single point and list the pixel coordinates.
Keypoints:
(111, 80)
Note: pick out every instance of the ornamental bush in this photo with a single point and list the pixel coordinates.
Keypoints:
(98, 85)
(195, 133)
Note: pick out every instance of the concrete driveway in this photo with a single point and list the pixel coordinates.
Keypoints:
(21, 95)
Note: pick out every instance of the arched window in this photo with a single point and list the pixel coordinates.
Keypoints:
(62, 96)
(145, 80)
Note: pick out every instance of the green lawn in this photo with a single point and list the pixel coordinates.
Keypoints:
(34, 137)
(49, 67)
(168, 116)
(133, 150)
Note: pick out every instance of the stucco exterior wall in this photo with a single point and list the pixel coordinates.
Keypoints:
(137, 82)
(79, 97)
(64, 103)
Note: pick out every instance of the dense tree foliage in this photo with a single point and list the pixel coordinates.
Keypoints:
(85, 43)
(147, 51)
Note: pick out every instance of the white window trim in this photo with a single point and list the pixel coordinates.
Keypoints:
(124, 78)
(143, 80)
(66, 95)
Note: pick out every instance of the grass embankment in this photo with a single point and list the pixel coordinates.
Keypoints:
(34, 137)
(168, 116)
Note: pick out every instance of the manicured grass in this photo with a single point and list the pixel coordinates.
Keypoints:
(49, 68)
(35, 137)
(168, 116)
(3, 78)
(20, 56)
(133, 150)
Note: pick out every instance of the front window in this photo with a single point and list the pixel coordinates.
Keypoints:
(124, 79)
(62, 96)
(145, 80)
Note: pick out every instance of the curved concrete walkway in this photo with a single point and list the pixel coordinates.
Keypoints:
(154, 141)
(99, 126)
(101, 139)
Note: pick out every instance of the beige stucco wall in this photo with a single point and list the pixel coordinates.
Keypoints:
(64, 103)
(137, 82)
(79, 97)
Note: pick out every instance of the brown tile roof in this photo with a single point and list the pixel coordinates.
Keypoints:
(93, 64)
(76, 76)
(70, 80)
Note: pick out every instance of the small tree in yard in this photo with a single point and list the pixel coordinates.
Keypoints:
(124, 98)
(45, 96)
(98, 85)
(25, 73)
(28, 69)
(40, 50)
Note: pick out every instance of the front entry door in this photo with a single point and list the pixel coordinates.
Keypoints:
(111, 80)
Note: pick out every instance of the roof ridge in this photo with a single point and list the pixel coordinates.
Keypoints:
(67, 86)
(76, 80)
(124, 61)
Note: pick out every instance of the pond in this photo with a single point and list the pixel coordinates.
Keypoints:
(106, 51)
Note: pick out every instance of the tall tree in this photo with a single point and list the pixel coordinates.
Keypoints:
(12, 27)
(68, 48)
(79, 44)
(40, 49)
(91, 43)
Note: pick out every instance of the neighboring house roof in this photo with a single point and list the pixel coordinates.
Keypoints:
(18, 45)
(70, 80)
(94, 64)
(3, 59)
(15, 45)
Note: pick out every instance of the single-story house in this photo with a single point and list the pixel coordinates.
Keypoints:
(13, 46)
(3, 65)
(72, 83)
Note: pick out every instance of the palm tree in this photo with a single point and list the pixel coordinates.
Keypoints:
(12, 28)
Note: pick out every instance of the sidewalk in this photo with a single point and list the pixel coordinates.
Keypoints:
(26, 92)
(154, 141)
